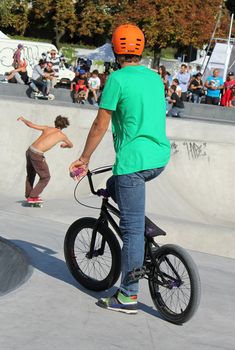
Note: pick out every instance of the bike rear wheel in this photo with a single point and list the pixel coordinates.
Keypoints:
(175, 284)
(98, 269)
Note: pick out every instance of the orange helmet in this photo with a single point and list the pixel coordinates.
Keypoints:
(128, 40)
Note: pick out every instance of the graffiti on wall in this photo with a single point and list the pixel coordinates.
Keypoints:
(194, 149)
(31, 53)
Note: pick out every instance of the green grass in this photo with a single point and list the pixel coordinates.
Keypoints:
(20, 37)
(68, 50)
(168, 52)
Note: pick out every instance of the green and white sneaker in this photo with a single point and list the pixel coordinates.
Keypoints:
(119, 302)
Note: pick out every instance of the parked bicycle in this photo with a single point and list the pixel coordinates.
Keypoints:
(93, 255)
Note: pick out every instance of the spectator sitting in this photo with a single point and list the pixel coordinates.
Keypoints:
(196, 87)
(54, 58)
(228, 85)
(183, 77)
(38, 82)
(94, 84)
(178, 91)
(177, 104)
(50, 74)
(214, 85)
(178, 88)
(79, 84)
(18, 75)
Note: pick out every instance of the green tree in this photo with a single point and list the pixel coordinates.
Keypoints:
(94, 19)
(14, 15)
(182, 23)
(56, 17)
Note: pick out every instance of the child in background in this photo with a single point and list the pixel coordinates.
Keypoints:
(79, 84)
(94, 84)
(177, 104)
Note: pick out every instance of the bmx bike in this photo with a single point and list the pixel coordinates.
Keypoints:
(93, 255)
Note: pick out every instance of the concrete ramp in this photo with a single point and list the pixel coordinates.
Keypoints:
(15, 268)
(193, 200)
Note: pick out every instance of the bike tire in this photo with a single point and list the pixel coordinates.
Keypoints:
(76, 257)
(187, 295)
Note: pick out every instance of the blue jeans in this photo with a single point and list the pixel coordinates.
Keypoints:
(176, 112)
(196, 98)
(128, 191)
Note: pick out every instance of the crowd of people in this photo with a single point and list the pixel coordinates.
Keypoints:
(189, 86)
(44, 75)
(87, 85)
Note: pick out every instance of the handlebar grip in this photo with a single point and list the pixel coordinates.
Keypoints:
(76, 172)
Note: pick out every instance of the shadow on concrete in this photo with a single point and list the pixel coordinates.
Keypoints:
(15, 266)
(44, 259)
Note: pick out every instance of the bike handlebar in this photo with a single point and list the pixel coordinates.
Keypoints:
(100, 192)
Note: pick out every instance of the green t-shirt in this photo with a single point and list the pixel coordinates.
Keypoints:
(135, 94)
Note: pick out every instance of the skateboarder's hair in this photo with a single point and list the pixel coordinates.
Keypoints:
(61, 122)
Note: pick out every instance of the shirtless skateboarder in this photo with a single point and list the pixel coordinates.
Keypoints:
(36, 163)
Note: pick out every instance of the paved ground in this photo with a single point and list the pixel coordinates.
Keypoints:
(51, 311)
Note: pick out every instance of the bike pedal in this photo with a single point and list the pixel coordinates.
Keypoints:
(135, 275)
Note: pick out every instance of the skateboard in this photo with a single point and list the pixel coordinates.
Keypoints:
(33, 204)
(40, 96)
(80, 97)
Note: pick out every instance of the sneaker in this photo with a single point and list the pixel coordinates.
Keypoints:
(119, 302)
(34, 200)
(4, 81)
(38, 94)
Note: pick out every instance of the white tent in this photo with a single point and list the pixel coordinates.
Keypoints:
(3, 36)
(102, 53)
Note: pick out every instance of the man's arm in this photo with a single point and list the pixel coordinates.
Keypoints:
(32, 125)
(96, 133)
(66, 143)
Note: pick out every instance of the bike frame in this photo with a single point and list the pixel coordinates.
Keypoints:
(105, 216)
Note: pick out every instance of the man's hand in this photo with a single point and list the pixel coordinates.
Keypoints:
(20, 119)
(63, 145)
(78, 169)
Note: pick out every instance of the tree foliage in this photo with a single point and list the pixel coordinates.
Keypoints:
(14, 15)
(58, 17)
(182, 23)
(179, 24)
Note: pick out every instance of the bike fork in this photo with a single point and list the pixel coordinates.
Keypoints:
(100, 251)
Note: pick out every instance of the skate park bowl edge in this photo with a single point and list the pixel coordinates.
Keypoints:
(15, 267)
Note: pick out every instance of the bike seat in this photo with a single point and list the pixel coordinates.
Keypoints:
(152, 230)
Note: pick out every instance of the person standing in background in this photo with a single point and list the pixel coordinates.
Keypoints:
(183, 77)
(214, 85)
(17, 57)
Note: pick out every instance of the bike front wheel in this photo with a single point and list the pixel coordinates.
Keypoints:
(175, 284)
(96, 268)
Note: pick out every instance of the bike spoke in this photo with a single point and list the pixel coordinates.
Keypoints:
(96, 267)
(176, 291)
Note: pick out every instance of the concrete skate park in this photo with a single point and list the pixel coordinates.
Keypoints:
(43, 307)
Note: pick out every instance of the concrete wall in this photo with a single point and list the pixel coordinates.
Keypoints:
(198, 111)
(194, 198)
